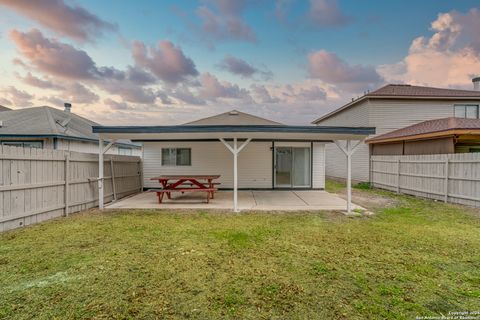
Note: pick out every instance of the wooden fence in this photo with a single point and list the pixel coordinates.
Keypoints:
(451, 178)
(40, 184)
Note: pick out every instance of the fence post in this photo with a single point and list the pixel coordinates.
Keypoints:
(398, 175)
(67, 183)
(140, 174)
(446, 179)
(112, 171)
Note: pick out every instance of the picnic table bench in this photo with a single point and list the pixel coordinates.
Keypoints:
(177, 183)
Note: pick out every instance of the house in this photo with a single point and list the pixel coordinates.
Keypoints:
(390, 108)
(440, 136)
(248, 152)
(2, 108)
(50, 128)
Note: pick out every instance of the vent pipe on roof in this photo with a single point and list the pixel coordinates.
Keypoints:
(68, 107)
(476, 83)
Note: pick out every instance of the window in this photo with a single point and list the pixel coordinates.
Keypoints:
(474, 149)
(466, 111)
(24, 144)
(176, 157)
(125, 151)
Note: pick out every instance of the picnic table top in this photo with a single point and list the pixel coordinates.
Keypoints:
(187, 176)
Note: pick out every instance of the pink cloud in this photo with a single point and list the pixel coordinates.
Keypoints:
(39, 83)
(325, 13)
(72, 21)
(328, 67)
(212, 89)
(18, 98)
(242, 68)
(166, 61)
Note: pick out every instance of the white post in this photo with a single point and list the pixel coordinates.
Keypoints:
(100, 173)
(349, 178)
(235, 175)
(235, 151)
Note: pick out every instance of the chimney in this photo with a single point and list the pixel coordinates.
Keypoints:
(476, 83)
(68, 107)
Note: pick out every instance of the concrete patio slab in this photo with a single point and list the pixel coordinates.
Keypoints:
(309, 200)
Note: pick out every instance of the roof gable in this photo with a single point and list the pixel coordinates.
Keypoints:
(233, 117)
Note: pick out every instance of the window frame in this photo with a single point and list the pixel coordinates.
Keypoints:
(176, 157)
(464, 108)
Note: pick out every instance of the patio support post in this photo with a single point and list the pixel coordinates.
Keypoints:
(235, 151)
(348, 150)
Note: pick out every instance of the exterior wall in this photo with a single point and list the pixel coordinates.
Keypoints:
(385, 115)
(88, 147)
(335, 159)
(318, 166)
(212, 157)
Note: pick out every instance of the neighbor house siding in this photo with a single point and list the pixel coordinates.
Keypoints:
(254, 163)
(385, 115)
(335, 160)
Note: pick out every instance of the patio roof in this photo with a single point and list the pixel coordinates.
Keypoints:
(202, 132)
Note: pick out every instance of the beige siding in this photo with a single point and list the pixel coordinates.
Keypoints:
(385, 115)
(254, 163)
(318, 170)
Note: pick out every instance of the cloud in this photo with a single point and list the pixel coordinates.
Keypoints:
(185, 95)
(115, 105)
(39, 83)
(328, 67)
(242, 68)
(212, 89)
(167, 61)
(4, 102)
(449, 58)
(262, 95)
(325, 13)
(72, 21)
(53, 57)
(18, 98)
(78, 93)
(222, 21)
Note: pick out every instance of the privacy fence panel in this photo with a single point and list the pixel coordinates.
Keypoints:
(40, 184)
(451, 178)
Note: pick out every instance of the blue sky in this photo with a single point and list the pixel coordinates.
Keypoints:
(289, 60)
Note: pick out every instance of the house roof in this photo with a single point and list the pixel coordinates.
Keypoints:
(2, 108)
(406, 91)
(48, 122)
(431, 129)
(233, 117)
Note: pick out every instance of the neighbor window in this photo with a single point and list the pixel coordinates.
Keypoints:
(176, 157)
(24, 144)
(469, 111)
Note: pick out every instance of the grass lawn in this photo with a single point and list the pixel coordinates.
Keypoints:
(412, 258)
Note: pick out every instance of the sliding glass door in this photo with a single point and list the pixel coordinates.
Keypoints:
(292, 167)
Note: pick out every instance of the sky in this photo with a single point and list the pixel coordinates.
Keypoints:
(170, 62)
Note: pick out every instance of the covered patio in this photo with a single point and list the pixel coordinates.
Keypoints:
(236, 138)
(262, 200)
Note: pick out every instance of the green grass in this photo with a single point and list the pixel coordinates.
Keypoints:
(418, 258)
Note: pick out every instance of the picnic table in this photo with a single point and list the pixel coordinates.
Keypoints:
(185, 183)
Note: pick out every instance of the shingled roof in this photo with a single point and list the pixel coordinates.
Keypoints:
(406, 91)
(48, 122)
(431, 128)
(233, 117)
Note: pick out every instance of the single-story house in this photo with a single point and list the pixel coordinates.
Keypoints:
(393, 107)
(440, 136)
(51, 128)
(248, 152)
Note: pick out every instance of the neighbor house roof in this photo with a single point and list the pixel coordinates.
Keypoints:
(406, 91)
(233, 117)
(431, 129)
(48, 122)
(2, 108)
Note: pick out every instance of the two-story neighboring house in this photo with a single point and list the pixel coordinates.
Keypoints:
(51, 128)
(390, 108)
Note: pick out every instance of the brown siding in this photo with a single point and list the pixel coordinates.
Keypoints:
(388, 149)
(434, 146)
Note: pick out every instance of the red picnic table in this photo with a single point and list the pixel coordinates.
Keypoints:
(178, 183)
